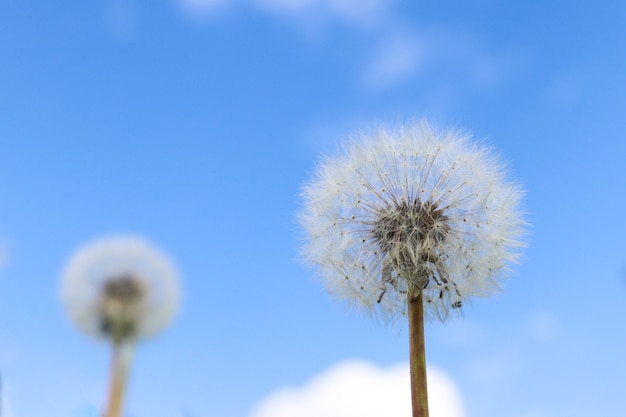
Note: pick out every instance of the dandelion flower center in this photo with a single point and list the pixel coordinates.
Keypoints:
(120, 306)
(409, 235)
(410, 227)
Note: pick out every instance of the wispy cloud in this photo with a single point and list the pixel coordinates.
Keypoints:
(395, 51)
(361, 389)
(403, 55)
(359, 12)
(395, 59)
(203, 8)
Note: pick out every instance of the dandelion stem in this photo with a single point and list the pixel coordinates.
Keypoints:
(120, 366)
(419, 391)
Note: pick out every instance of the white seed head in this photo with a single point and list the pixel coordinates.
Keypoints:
(121, 289)
(412, 207)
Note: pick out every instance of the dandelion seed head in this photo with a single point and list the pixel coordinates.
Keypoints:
(120, 289)
(412, 207)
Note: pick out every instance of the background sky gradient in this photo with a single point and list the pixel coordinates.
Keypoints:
(194, 123)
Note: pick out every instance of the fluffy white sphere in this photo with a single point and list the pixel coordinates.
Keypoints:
(120, 288)
(411, 206)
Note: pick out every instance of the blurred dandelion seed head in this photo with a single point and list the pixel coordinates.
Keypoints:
(412, 207)
(121, 302)
(120, 289)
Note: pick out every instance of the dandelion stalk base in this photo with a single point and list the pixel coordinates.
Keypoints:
(419, 391)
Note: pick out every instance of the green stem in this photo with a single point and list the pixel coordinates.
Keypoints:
(120, 366)
(419, 391)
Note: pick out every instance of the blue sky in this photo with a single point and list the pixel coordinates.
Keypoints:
(195, 122)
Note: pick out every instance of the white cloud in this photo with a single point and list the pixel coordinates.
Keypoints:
(361, 389)
(398, 51)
